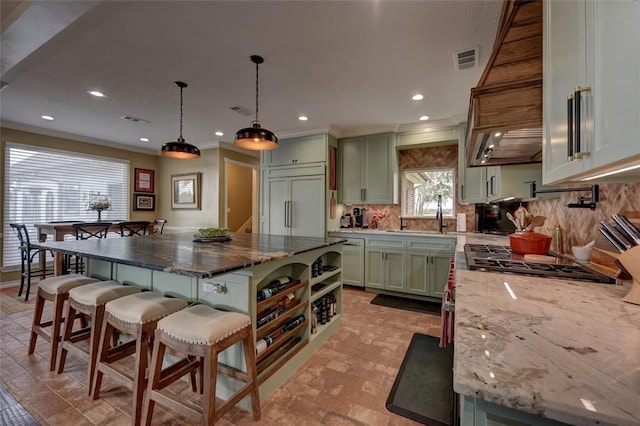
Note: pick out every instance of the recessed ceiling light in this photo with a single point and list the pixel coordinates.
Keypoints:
(144, 139)
(219, 133)
(303, 118)
(497, 134)
(417, 97)
(424, 118)
(96, 93)
(47, 117)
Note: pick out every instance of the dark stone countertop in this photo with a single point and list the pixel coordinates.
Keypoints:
(178, 253)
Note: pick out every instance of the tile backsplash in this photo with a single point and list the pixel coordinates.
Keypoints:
(581, 225)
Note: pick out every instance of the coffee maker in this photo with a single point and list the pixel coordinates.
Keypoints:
(360, 217)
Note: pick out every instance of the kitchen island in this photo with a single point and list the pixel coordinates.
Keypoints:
(228, 275)
(542, 351)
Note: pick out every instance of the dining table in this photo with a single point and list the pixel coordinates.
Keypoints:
(58, 229)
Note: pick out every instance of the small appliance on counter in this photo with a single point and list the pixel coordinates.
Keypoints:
(345, 220)
(360, 216)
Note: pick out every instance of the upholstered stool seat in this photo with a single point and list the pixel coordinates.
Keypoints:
(89, 300)
(201, 333)
(54, 289)
(136, 315)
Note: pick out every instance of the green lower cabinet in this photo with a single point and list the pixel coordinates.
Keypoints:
(385, 269)
(427, 273)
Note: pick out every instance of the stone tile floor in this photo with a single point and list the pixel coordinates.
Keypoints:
(346, 382)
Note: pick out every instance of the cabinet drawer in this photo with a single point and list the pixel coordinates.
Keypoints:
(386, 243)
(445, 245)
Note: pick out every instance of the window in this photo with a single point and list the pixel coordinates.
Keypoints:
(421, 188)
(43, 185)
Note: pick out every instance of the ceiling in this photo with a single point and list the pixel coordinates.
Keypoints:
(350, 66)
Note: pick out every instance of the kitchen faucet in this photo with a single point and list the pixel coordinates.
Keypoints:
(441, 225)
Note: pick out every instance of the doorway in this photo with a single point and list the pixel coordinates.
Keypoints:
(241, 196)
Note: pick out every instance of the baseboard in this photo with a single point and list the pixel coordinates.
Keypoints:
(9, 284)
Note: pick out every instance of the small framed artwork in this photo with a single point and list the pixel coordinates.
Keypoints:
(143, 180)
(332, 168)
(185, 191)
(144, 202)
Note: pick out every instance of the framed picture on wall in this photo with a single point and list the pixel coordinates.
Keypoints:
(185, 191)
(144, 202)
(143, 180)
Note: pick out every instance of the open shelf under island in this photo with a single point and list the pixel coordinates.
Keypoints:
(228, 275)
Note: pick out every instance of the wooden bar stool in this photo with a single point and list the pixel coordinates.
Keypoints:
(136, 315)
(89, 300)
(56, 290)
(201, 333)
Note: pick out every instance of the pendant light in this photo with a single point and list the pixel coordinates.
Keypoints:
(180, 149)
(256, 138)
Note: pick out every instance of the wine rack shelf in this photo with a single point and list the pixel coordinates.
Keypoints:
(314, 275)
(292, 288)
(289, 313)
(280, 341)
(315, 294)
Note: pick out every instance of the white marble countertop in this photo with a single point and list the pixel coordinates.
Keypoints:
(563, 350)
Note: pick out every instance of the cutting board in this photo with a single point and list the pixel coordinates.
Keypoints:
(630, 259)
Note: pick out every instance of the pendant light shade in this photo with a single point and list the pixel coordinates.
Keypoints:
(255, 137)
(180, 149)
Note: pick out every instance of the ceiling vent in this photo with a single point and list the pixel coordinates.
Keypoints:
(242, 110)
(135, 119)
(465, 59)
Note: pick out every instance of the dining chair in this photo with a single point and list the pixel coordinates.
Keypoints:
(160, 223)
(27, 254)
(85, 231)
(134, 228)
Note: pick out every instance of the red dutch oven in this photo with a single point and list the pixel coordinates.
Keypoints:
(529, 242)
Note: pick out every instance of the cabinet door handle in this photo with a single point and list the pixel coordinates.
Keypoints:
(577, 98)
(570, 127)
(365, 194)
(290, 214)
(462, 192)
(286, 214)
(492, 179)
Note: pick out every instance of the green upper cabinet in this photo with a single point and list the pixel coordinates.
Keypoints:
(471, 180)
(369, 170)
(593, 46)
(300, 150)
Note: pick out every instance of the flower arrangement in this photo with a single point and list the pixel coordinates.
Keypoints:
(376, 217)
(99, 203)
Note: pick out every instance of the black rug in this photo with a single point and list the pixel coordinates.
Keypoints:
(423, 389)
(433, 308)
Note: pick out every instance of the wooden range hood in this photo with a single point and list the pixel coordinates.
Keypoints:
(508, 99)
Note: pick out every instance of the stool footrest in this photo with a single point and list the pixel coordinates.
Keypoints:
(120, 352)
(176, 371)
(177, 403)
(117, 376)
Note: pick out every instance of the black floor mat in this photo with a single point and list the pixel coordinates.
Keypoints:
(12, 413)
(424, 306)
(423, 389)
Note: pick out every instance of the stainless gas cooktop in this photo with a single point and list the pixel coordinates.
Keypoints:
(483, 257)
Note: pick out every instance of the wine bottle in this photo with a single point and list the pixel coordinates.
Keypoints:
(273, 288)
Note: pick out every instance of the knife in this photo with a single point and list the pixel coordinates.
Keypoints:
(604, 231)
(627, 228)
(613, 232)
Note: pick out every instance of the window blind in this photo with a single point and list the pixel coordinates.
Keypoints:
(44, 185)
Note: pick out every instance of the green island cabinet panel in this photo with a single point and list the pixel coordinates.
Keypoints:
(587, 44)
(369, 169)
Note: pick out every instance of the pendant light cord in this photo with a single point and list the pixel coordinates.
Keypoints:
(180, 139)
(257, 89)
